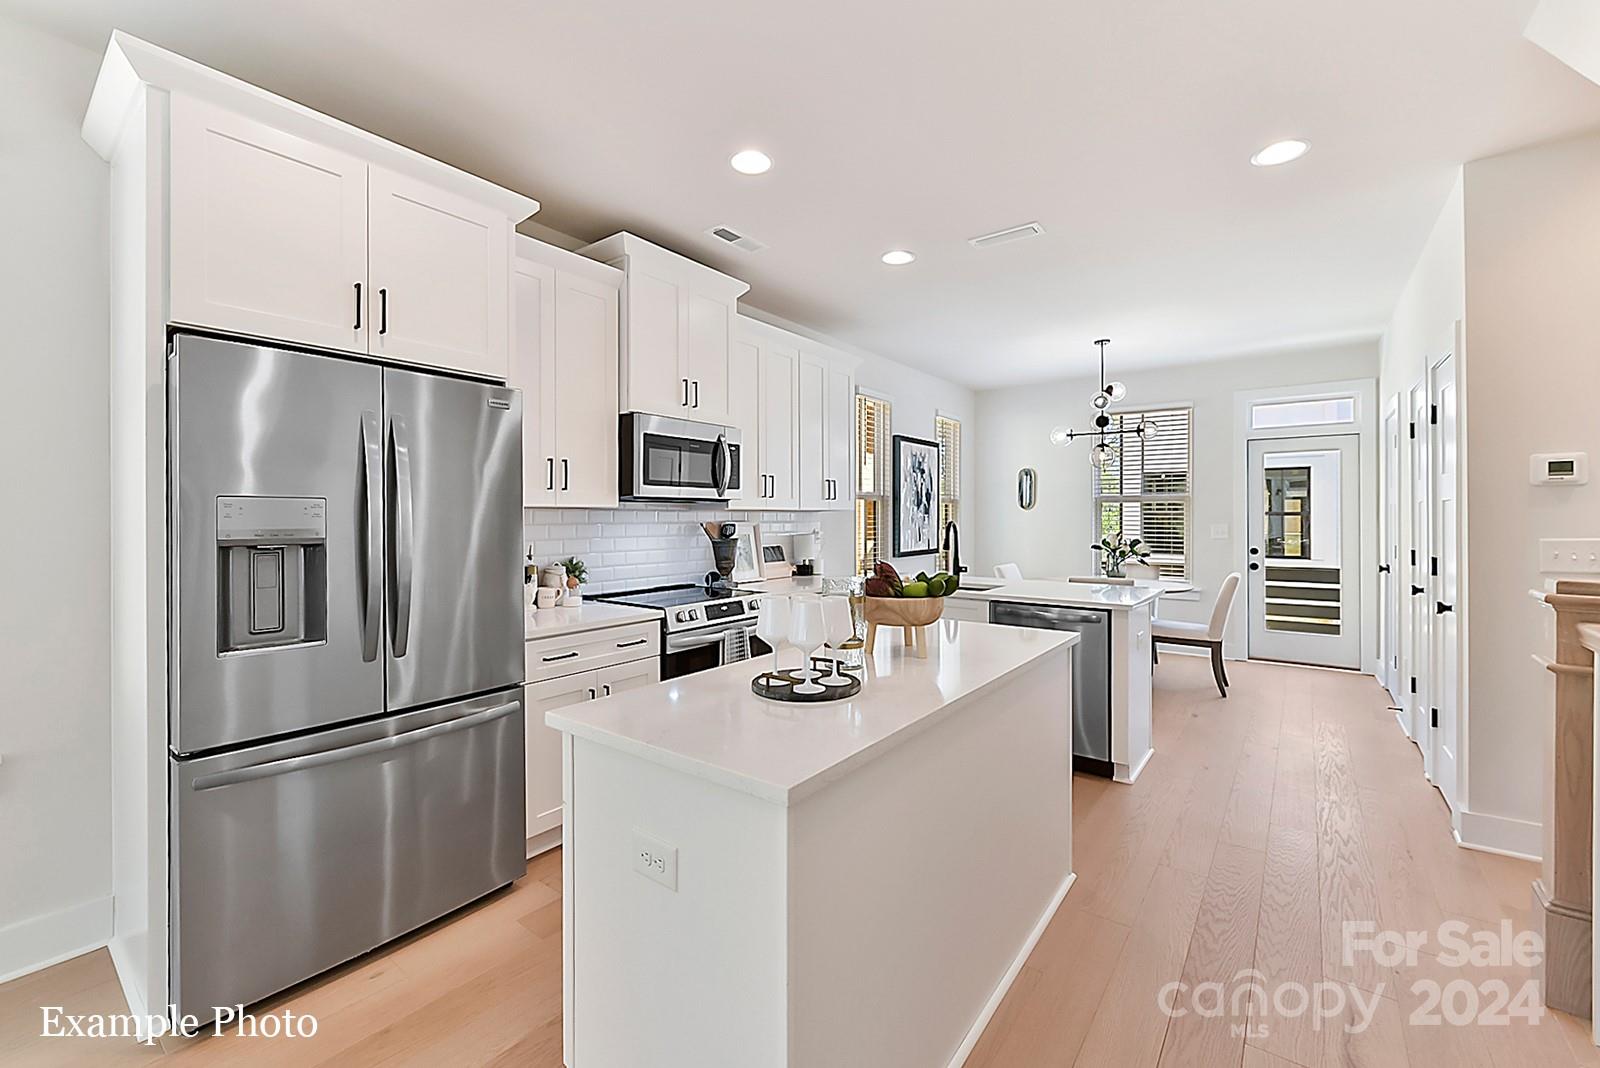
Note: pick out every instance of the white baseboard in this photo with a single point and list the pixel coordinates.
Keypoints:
(128, 976)
(991, 1006)
(1523, 839)
(40, 941)
(1129, 775)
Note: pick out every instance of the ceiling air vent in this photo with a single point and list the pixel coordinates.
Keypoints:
(1008, 235)
(728, 235)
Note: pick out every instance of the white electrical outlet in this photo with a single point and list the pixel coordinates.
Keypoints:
(655, 859)
(1569, 555)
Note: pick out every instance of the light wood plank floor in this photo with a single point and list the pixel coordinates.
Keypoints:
(1262, 824)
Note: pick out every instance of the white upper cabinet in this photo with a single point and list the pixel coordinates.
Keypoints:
(744, 412)
(565, 362)
(677, 331)
(287, 225)
(826, 413)
(268, 231)
(780, 368)
(439, 268)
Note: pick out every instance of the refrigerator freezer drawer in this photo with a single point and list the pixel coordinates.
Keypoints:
(292, 857)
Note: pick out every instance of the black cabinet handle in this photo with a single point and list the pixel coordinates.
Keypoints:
(630, 645)
(383, 311)
(358, 306)
(1416, 590)
(607, 687)
(592, 694)
(549, 472)
(1440, 608)
(696, 385)
(1383, 569)
(564, 473)
(563, 656)
(686, 393)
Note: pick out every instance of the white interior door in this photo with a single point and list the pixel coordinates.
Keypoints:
(1389, 548)
(1305, 550)
(1444, 568)
(1417, 611)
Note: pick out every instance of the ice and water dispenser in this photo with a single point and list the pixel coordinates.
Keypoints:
(272, 572)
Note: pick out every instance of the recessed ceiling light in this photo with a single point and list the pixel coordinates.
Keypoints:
(898, 257)
(751, 161)
(1280, 152)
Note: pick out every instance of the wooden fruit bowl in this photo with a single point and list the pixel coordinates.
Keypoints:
(911, 614)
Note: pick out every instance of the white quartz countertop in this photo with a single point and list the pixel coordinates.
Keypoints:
(589, 615)
(1072, 594)
(710, 725)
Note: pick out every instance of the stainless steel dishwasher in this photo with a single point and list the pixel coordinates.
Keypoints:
(1091, 674)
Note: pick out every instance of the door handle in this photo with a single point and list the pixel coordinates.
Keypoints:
(565, 481)
(720, 462)
(686, 393)
(1440, 608)
(372, 475)
(1416, 590)
(383, 311)
(349, 752)
(550, 473)
(696, 385)
(358, 306)
(403, 561)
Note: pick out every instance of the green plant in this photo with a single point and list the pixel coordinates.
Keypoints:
(1118, 550)
(575, 569)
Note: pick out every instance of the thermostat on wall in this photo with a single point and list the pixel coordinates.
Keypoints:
(1547, 467)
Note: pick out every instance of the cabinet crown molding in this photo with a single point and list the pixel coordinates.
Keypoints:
(131, 64)
(553, 256)
(622, 244)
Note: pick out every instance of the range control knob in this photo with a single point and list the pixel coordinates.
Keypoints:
(685, 615)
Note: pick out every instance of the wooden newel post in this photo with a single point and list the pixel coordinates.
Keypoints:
(1563, 895)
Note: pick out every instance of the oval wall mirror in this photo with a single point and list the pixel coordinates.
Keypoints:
(1027, 487)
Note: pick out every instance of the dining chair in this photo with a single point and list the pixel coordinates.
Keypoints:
(1101, 580)
(1007, 571)
(1202, 635)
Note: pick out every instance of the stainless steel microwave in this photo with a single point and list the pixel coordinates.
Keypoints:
(666, 459)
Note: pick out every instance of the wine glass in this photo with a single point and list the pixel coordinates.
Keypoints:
(772, 624)
(839, 627)
(807, 632)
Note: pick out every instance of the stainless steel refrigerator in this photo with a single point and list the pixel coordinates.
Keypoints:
(345, 663)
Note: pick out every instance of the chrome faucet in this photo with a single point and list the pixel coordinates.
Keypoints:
(952, 545)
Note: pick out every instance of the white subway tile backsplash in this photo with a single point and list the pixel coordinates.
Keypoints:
(639, 545)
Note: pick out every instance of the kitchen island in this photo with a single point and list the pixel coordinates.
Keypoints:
(752, 882)
(1112, 732)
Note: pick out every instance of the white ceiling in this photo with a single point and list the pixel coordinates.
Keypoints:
(1125, 128)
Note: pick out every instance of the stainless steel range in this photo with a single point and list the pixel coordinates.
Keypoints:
(701, 626)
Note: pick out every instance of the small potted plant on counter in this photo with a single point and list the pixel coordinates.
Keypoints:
(577, 575)
(1118, 550)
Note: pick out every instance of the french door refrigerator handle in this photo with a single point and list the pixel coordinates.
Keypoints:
(372, 475)
(251, 772)
(404, 550)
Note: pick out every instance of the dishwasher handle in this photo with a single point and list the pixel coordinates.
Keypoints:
(251, 772)
(1045, 616)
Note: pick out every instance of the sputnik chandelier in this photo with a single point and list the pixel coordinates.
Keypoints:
(1105, 449)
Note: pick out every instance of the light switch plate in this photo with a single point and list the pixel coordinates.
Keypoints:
(1569, 555)
(1219, 532)
(655, 859)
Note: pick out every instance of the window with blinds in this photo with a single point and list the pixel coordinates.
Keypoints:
(872, 480)
(948, 431)
(1144, 491)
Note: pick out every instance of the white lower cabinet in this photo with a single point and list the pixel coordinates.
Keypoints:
(543, 745)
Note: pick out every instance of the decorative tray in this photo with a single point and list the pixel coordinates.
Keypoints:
(782, 685)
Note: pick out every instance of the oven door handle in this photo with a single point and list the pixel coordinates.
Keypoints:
(698, 639)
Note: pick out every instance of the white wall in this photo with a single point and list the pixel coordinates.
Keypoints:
(1532, 375)
(55, 837)
(1053, 538)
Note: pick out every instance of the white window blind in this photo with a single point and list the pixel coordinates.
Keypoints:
(1144, 492)
(949, 435)
(872, 480)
